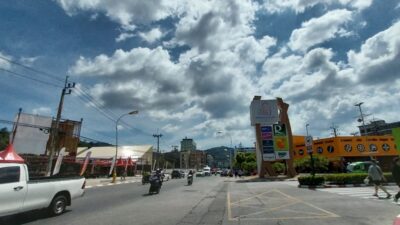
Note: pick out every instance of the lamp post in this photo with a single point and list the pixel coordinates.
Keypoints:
(230, 155)
(311, 155)
(116, 142)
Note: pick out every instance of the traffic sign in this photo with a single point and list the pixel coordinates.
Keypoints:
(309, 142)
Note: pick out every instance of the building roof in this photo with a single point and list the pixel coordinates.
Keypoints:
(135, 151)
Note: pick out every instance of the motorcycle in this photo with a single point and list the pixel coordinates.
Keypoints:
(155, 184)
(190, 179)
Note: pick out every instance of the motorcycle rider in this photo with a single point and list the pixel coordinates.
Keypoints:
(190, 177)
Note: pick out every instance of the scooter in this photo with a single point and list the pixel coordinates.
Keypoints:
(155, 184)
(190, 179)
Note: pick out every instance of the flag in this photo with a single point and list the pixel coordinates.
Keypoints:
(126, 164)
(59, 161)
(112, 165)
(85, 163)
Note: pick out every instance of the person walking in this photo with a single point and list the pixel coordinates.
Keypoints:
(376, 176)
(396, 175)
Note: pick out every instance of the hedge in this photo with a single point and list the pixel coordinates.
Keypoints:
(341, 178)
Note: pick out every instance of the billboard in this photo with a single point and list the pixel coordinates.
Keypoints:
(281, 141)
(264, 112)
(267, 143)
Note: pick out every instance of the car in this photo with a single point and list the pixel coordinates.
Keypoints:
(20, 193)
(167, 177)
(200, 173)
(175, 174)
(358, 167)
(182, 173)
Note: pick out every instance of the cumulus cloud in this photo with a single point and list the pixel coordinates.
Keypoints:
(151, 36)
(125, 12)
(319, 30)
(378, 61)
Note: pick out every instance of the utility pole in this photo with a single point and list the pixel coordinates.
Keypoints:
(334, 130)
(54, 130)
(158, 136)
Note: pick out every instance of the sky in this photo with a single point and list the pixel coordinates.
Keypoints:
(192, 67)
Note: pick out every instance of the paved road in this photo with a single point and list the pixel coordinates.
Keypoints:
(215, 200)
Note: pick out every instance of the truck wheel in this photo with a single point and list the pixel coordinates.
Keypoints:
(58, 205)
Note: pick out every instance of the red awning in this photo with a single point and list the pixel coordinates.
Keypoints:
(9, 155)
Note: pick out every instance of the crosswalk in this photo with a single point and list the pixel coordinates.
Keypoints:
(363, 192)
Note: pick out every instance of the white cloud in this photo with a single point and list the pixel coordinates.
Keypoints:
(28, 61)
(3, 63)
(42, 111)
(319, 30)
(299, 6)
(125, 12)
(153, 35)
(123, 37)
(379, 57)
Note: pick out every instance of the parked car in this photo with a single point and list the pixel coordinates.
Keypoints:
(175, 174)
(167, 177)
(19, 193)
(182, 174)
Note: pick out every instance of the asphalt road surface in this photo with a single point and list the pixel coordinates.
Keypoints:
(216, 200)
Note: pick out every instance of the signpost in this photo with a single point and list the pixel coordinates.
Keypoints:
(309, 145)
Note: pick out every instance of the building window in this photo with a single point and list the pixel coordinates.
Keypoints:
(373, 148)
(320, 150)
(348, 148)
(386, 147)
(360, 147)
(9, 174)
(330, 149)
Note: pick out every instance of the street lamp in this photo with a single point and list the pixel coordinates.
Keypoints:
(311, 154)
(116, 142)
(230, 157)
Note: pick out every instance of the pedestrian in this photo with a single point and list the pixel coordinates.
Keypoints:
(376, 176)
(123, 176)
(236, 173)
(396, 175)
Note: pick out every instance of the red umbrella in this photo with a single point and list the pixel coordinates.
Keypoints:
(9, 155)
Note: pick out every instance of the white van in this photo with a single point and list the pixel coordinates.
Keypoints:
(207, 171)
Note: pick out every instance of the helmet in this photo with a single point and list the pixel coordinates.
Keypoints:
(158, 171)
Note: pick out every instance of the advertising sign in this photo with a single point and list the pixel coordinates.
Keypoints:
(281, 141)
(264, 112)
(396, 135)
(309, 142)
(267, 143)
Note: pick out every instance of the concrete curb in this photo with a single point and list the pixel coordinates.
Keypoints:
(342, 185)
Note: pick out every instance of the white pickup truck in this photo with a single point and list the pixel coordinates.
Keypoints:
(19, 194)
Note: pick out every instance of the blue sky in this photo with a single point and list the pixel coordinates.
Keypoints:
(192, 67)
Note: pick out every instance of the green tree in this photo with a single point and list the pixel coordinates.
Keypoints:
(4, 138)
(304, 165)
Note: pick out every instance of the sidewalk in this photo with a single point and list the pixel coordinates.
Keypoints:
(99, 182)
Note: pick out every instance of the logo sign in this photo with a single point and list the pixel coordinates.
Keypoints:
(279, 130)
(347, 147)
(281, 144)
(264, 112)
(385, 147)
(309, 142)
(373, 148)
(282, 155)
(266, 132)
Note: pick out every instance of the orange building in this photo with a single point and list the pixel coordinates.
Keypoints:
(350, 148)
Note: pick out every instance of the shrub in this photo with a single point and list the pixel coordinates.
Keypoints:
(304, 164)
(351, 178)
(311, 180)
(278, 167)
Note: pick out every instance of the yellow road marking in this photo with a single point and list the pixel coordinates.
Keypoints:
(255, 196)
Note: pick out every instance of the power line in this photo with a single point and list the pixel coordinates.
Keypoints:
(30, 78)
(32, 69)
